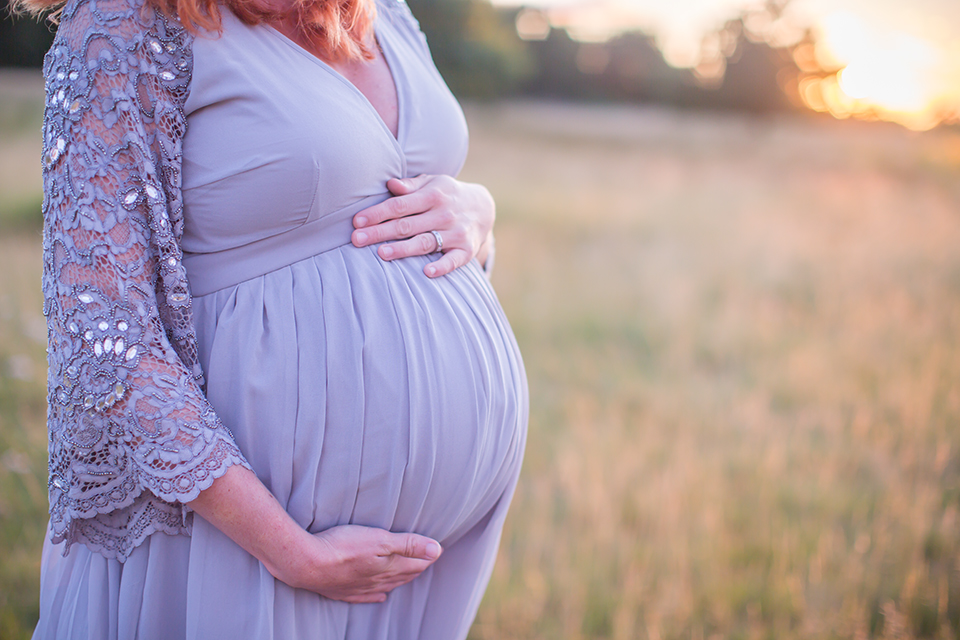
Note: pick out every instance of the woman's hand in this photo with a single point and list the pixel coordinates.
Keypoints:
(359, 564)
(349, 562)
(461, 212)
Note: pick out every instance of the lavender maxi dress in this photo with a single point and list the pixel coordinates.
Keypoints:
(359, 390)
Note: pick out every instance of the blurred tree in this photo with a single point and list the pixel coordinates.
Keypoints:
(556, 73)
(629, 67)
(24, 40)
(476, 48)
(755, 74)
(740, 68)
(478, 51)
(638, 71)
(743, 68)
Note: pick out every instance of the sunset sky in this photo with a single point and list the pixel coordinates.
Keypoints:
(901, 56)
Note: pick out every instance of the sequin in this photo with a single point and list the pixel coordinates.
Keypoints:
(88, 334)
(74, 328)
(51, 157)
(151, 191)
(103, 326)
(178, 297)
(118, 348)
(54, 152)
(108, 345)
(98, 348)
(88, 402)
(122, 325)
(74, 75)
(119, 390)
(167, 75)
(85, 298)
(131, 197)
(156, 46)
(172, 262)
(75, 106)
(72, 371)
(131, 353)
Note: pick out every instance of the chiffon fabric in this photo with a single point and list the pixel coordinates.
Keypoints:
(359, 390)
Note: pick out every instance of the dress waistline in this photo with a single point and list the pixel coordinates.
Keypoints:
(216, 270)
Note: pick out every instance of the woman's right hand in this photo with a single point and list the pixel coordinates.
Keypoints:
(348, 562)
(359, 564)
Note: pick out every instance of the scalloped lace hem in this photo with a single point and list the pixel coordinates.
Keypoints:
(115, 534)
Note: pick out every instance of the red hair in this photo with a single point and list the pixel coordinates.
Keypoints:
(335, 29)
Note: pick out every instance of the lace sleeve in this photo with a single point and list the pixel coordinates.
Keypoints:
(131, 436)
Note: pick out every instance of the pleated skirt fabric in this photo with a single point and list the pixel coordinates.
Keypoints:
(361, 392)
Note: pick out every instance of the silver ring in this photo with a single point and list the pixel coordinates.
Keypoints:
(436, 236)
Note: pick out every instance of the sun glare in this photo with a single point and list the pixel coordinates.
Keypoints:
(889, 76)
(860, 65)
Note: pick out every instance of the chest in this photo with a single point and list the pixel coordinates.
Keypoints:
(276, 137)
(374, 79)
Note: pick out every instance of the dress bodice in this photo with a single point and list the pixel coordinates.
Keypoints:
(281, 150)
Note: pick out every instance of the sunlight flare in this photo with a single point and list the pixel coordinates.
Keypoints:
(889, 76)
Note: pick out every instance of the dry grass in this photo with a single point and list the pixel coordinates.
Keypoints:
(23, 450)
(742, 340)
(742, 344)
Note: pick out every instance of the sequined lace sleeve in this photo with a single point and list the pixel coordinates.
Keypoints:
(131, 436)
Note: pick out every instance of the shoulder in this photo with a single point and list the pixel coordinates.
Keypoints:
(109, 53)
(117, 36)
(399, 14)
(126, 20)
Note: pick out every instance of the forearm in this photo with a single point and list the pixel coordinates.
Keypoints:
(240, 506)
(346, 562)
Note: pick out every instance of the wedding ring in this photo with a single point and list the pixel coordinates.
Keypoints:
(436, 236)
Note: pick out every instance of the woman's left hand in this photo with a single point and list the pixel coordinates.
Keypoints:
(461, 212)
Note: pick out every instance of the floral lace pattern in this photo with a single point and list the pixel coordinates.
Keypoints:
(131, 436)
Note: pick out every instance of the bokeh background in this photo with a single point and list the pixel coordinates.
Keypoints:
(728, 242)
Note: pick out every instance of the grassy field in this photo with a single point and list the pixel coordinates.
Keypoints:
(743, 344)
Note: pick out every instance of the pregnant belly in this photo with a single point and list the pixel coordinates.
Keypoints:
(361, 391)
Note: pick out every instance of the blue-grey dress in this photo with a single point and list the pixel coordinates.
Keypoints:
(359, 390)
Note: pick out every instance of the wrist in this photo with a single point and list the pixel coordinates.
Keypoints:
(240, 506)
(291, 556)
(487, 254)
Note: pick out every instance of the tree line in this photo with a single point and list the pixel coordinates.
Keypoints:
(478, 50)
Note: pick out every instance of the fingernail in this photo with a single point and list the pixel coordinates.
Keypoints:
(361, 237)
(433, 550)
(386, 251)
(431, 270)
(360, 221)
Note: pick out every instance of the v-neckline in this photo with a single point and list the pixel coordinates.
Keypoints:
(389, 59)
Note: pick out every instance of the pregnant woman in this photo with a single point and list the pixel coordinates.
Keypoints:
(284, 401)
